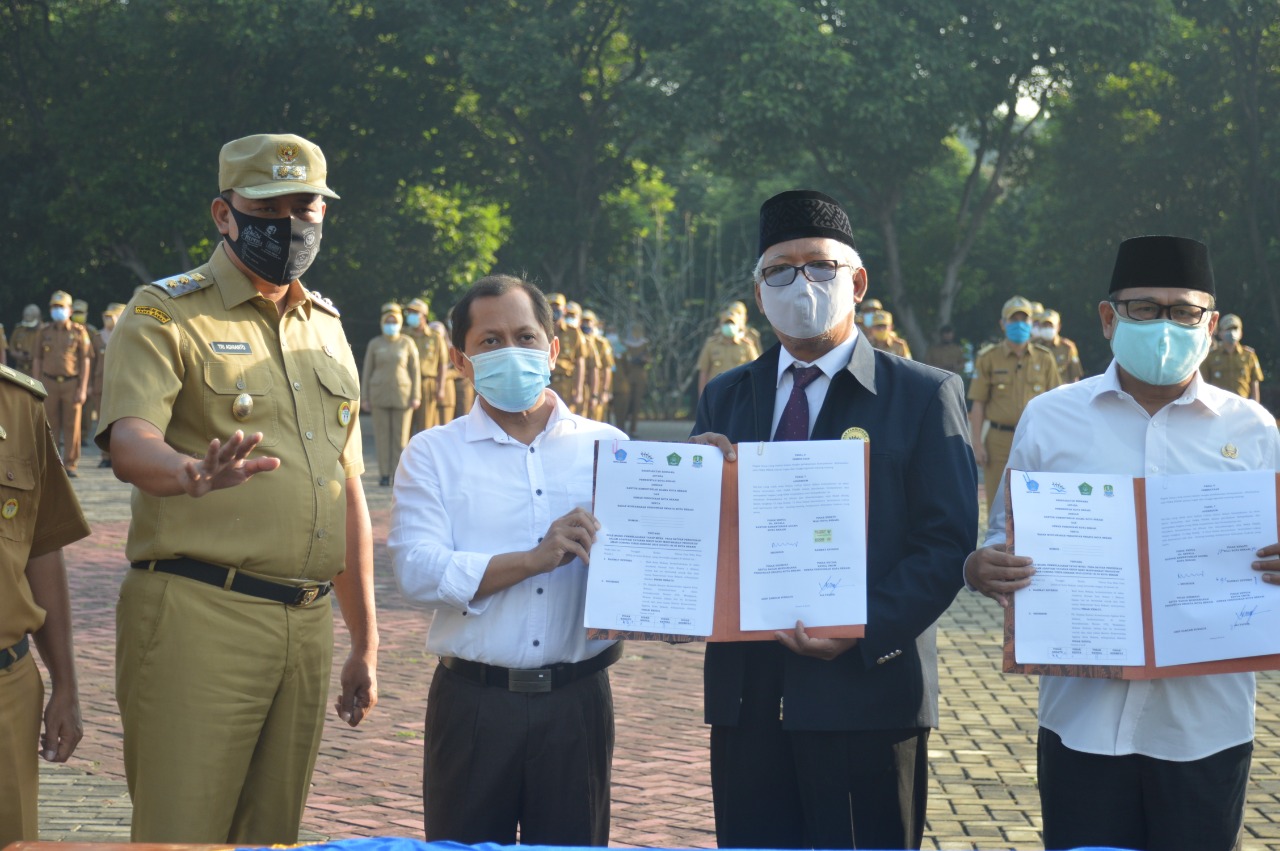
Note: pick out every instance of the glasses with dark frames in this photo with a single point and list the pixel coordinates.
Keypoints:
(816, 271)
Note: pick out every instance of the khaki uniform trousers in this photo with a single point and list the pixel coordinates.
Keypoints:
(998, 443)
(391, 435)
(21, 708)
(427, 415)
(448, 407)
(222, 697)
(64, 418)
(89, 415)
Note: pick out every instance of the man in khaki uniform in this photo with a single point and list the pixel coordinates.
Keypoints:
(590, 359)
(39, 515)
(224, 629)
(724, 350)
(593, 330)
(739, 311)
(455, 395)
(89, 411)
(22, 342)
(109, 317)
(1047, 332)
(867, 313)
(1231, 364)
(392, 382)
(883, 337)
(631, 384)
(433, 360)
(1006, 376)
(947, 353)
(568, 376)
(62, 362)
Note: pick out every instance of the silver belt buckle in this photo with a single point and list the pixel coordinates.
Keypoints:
(529, 681)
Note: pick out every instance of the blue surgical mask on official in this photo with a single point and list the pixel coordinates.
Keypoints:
(511, 379)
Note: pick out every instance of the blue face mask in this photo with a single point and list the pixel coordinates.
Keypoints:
(59, 314)
(1161, 352)
(412, 319)
(511, 379)
(390, 328)
(1017, 332)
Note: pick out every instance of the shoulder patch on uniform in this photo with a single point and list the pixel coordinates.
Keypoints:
(23, 380)
(986, 348)
(180, 285)
(154, 312)
(323, 303)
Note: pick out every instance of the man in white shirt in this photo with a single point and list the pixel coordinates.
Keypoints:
(1158, 764)
(491, 529)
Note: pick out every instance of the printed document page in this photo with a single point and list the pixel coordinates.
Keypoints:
(653, 565)
(1084, 603)
(1207, 603)
(802, 533)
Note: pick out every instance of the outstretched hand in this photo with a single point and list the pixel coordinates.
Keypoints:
(225, 465)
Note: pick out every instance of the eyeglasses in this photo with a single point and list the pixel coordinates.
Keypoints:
(817, 271)
(1142, 310)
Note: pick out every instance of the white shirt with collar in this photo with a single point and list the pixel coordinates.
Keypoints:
(467, 491)
(1094, 425)
(816, 393)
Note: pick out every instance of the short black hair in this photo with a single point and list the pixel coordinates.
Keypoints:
(492, 286)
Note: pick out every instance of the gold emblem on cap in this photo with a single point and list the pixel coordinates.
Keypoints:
(344, 414)
(287, 152)
(1230, 451)
(856, 433)
(242, 407)
(10, 509)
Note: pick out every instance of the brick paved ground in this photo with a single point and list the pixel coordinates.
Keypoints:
(368, 780)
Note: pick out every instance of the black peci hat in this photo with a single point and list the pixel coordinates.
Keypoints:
(1169, 262)
(801, 213)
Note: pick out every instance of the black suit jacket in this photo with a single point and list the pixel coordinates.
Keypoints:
(923, 512)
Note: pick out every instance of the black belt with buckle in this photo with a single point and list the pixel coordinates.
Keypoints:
(999, 427)
(61, 378)
(9, 655)
(241, 583)
(531, 680)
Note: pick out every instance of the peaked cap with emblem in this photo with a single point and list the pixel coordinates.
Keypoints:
(800, 214)
(60, 299)
(272, 164)
(1167, 262)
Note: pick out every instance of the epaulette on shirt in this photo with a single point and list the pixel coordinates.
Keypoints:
(23, 380)
(982, 350)
(323, 303)
(180, 285)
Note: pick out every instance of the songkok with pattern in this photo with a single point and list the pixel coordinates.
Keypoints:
(802, 213)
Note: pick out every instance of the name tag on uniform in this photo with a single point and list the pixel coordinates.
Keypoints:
(231, 348)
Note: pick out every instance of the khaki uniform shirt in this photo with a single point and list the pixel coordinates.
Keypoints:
(186, 353)
(38, 509)
(22, 348)
(948, 356)
(1006, 382)
(433, 351)
(391, 377)
(1235, 371)
(721, 354)
(62, 350)
(573, 345)
(1067, 358)
(98, 347)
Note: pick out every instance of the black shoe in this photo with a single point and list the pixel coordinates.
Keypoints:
(72, 474)
(385, 481)
(105, 463)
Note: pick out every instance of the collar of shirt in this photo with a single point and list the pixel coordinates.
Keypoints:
(481, 426)
(1198, 392)
(830, 364)
(236, 288)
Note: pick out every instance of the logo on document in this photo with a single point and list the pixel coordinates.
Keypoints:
(1108, 491)
(646, 458)
(1057, 487)
(1086, 489)
(1032, 485)
(619, 454)
(697, 462)
(673, 460)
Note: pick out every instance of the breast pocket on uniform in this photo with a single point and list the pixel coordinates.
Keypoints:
(17, 498)
(238, 396)
(339, 393)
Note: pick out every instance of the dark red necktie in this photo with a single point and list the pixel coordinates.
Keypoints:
(794, 424)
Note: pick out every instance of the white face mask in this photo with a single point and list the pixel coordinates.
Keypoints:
(1046, 334)
(804, 309)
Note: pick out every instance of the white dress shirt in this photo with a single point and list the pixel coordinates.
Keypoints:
(468, 491)
(1094, 426)
(816, 393)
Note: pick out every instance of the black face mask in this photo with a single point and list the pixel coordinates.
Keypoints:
(276, 250)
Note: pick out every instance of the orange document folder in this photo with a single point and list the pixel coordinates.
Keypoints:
(1148, 671)
(727, 612)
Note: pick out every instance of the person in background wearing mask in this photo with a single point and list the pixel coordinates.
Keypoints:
(846, 764)
(224, 627)
(62, 356)
(727, 348)
(22, 342)
(739, 311)
(590, 359)
(89, 411)
(1232, 365)
(392, 382)
(1046, 330)
(1005, 377)
(592, 329)
(456, 396)
(1143, 764)
(503, 562)
(568, 379)
(433, 359)
(632, 381)
(109, 317)
(884, 338)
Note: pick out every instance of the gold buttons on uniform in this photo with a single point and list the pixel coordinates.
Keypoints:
(242, 407)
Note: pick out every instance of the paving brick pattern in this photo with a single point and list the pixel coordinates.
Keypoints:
(368, 780)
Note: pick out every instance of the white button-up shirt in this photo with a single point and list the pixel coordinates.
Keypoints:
(816, 393)
(1094, 425)
(468, 491)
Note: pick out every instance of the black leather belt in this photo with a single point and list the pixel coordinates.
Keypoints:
(241, 583)
(9, 655)
(531, 679)
(999, 427)
(61, 378)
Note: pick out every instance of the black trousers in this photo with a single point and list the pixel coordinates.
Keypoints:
(776, 788)
(1140, 802)
(502, 766)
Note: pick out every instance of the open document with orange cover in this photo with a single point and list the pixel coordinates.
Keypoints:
(694, 548)
(1142, 578)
